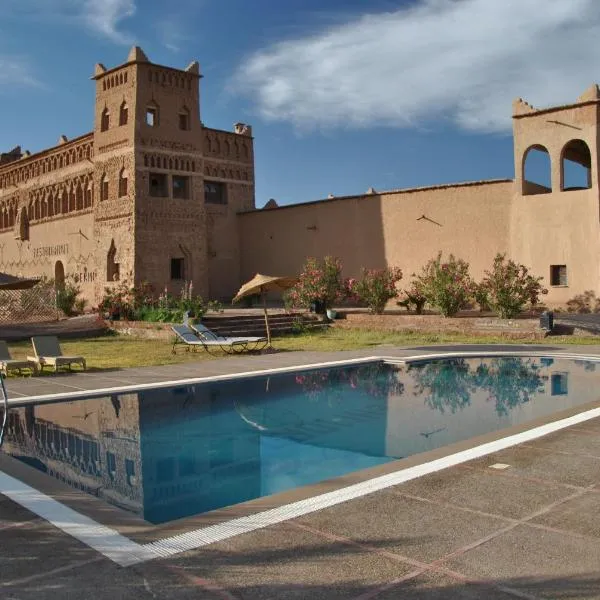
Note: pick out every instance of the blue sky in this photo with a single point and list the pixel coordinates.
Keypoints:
(343, 95)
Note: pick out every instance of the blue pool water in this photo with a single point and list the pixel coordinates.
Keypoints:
(170, 453)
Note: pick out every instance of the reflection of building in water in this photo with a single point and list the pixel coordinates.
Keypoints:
(85, 444)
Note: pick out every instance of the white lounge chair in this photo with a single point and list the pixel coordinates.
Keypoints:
(196, 337)
(48, 353)
(8, 363)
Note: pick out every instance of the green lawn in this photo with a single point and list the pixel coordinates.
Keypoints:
(113, 351)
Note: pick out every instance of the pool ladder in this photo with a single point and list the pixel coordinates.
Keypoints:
(5, 412)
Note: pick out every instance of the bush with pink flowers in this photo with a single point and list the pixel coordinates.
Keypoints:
(376, 287)
(319, 282)
(446, 284)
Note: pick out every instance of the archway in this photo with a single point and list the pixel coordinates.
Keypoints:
(576, 166)
(59, 275)
(537, 171)
(112, 266)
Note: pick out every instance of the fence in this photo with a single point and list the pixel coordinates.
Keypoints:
(34, 305)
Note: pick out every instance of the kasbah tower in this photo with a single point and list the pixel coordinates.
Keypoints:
(151, 195)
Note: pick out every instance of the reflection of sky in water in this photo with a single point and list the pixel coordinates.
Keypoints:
(166, 454)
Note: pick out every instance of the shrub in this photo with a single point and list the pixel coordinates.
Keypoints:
(376, 287)
(584, 303)
(482, 296)
(67, 296)
(510, 287)
(414, 296)
(319, 282)
(446, 285)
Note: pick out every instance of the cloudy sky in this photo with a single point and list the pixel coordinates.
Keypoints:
(342, 94)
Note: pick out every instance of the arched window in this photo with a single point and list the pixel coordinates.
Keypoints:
(22, 225)
(104, 188)
(112, 267)
(537, 171)
(123, 183)
(123, 114)
(89, 195)
(65, 202)
(576, 166)
(79, 197)
(59, 275)
(50, 204)
(105, 120)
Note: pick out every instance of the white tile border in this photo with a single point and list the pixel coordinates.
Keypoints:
(126, 552)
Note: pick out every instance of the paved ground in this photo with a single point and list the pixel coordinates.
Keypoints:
(529, 531)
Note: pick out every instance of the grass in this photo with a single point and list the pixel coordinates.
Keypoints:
(113, 351)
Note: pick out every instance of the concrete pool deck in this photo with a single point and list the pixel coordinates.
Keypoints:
(528, 530)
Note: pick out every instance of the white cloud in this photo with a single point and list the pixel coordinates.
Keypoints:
(103, 17)
(16, 71)
(461, 60)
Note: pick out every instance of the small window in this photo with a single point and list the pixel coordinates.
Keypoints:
(559, 383)
(181, 187)
(105, 120)
(152, 116)
(214, 192)
(558, 275)
(123, 114)
(122, 184)
(111, 465)
(184, 120)
(158, 185)
(104, 189)
(130, 472)
(177, 268)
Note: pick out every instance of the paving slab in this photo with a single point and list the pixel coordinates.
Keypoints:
(574, 442)
(37, 548)
(548, 564)
(285, 562)
(409, 527)
(547, 466)
(579, 515)
(488, 492)
(435, 586)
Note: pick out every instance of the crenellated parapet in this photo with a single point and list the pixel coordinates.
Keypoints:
(520, 107)
(65, 154)
(227, 145)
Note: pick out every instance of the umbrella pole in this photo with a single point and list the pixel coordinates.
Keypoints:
(264, 296)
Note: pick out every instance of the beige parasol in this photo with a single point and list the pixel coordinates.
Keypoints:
(260, 284)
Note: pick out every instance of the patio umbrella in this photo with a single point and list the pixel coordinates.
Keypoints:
(260, 284)
(10, 282)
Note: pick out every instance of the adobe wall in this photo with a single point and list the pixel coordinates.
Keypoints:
(402, 229)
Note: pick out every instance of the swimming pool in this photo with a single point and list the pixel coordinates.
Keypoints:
(174, 452)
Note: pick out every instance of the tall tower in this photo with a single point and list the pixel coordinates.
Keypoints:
(168, 188)
(555, 225)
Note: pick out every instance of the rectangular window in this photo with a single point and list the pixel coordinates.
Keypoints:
(177, 268)
(181, 186)
(215, 192)
(559, 384)
(159, 185)
(184, 121)
(103, 190)
(151, 116)
(558, 275)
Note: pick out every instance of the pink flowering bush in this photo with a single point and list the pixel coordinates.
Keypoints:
(376, 287)
(319, 281)
(447, 284)
(415, 297)
(510, 286)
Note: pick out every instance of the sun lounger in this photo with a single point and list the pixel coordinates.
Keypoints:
(204, 333)
(48, 353)
(8, 363)
(195, 338)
